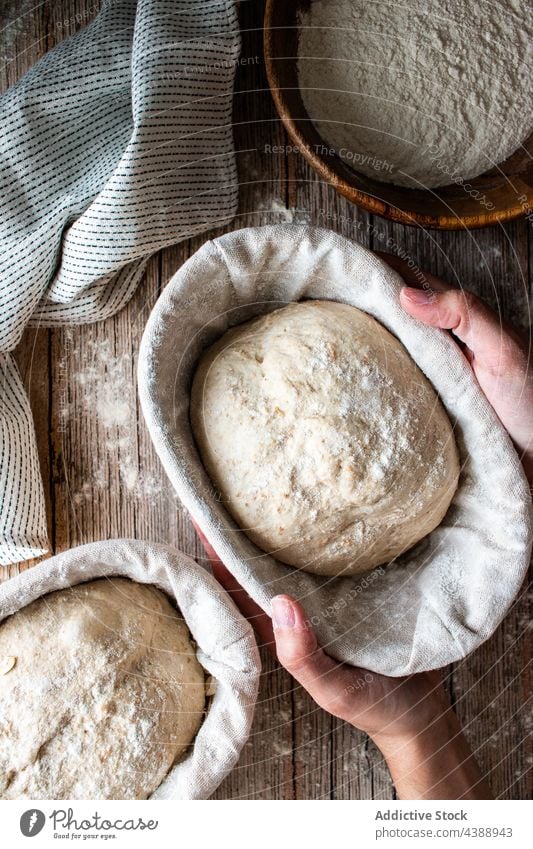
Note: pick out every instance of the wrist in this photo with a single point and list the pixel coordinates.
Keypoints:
(433, 761)
(423, 705)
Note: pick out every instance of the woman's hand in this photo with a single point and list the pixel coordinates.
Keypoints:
(409, 719)
(498, 355)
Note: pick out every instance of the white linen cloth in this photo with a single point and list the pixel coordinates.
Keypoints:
(226, 645)
(447, 595)
(117, 143)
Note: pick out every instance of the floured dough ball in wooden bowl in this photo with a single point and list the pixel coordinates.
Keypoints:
(101, 693)
(328, 445)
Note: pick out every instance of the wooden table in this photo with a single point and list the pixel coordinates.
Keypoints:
(106, 481)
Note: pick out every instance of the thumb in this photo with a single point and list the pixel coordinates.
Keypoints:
(468, 318)
(327, 681)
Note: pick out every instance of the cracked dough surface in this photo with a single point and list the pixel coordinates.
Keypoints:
(328, 445)
(105, 693)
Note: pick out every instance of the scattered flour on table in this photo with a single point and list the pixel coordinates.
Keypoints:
(418, 93)
(108, 384)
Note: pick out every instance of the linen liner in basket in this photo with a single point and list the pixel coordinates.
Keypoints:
(441, 599)
(226, 645)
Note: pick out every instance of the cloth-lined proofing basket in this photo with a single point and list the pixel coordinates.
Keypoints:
(226, 646)
(447, 595)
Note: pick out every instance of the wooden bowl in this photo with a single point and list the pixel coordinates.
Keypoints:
(501, 194)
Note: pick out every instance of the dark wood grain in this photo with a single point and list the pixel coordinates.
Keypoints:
(105, 480)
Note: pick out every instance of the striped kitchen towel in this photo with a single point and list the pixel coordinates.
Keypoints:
(117, 143)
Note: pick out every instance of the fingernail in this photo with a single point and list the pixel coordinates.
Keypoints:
(282, 613)
(417, 296)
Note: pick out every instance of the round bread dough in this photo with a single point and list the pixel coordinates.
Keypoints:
(102, 694)
(327, 444)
